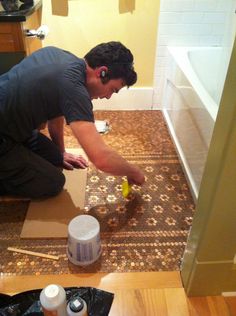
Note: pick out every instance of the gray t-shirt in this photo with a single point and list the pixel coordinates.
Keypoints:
(47, 84)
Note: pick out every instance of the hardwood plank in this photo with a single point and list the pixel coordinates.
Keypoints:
(149, 302)
(132, 303)
(155, 302)
(176, 302)
(208, 306)
(231, 303)
(109, 281)
(116, 307)
(217, 306)
(198, 306)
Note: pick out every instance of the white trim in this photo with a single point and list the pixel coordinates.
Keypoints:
(127, 99)
(183, 160)
(228, 294)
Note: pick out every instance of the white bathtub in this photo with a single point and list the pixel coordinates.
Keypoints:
(191, 98)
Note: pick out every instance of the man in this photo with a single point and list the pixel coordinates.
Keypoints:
(46, 87)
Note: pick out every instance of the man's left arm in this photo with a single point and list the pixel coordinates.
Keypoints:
(56, 131)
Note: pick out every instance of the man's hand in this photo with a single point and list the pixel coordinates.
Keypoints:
(71, 161)
(136, 177)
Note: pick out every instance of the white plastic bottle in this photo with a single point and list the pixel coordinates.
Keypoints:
(53, 300)
(77, 307)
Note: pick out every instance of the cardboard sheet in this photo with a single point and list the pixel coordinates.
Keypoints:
(49, 218)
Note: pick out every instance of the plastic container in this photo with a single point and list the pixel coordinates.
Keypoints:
(77, 307)
(84, 244)
(53, 300)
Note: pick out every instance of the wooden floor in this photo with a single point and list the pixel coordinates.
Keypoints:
(136, 294)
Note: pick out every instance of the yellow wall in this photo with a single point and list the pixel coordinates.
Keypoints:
(90, 22)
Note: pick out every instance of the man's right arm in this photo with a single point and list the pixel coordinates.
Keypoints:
(102, 156)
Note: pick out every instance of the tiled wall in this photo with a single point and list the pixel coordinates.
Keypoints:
(191, 23)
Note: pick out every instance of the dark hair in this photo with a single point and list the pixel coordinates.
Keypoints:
(117, 58)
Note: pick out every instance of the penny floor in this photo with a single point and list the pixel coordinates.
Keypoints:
(147, 232)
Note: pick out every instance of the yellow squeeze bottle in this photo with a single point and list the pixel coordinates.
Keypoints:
(126, 188)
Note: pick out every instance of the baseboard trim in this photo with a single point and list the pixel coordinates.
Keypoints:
(228, 294)
(127, 99)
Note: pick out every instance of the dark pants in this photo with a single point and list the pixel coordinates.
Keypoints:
(31, 169)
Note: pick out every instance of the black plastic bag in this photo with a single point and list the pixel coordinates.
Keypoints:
(28, 304)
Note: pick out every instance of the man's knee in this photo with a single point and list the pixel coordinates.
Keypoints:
(41, 186)
(57, 184)
(49, 186)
